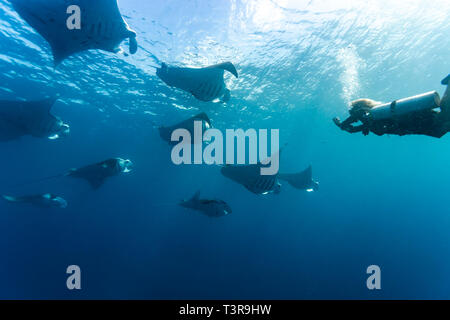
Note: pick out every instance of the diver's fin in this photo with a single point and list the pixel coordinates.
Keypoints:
(10, 199)
(446, 80)
(228, 66)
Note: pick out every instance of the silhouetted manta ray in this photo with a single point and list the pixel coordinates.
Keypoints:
(250, 177)
(205, 84)
(102, 25)
(96, 174)
(166, 132)
(21, 118)
(211, 208)
(47, 200)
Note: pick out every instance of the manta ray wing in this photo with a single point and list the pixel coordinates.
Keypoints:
(94, 180)
(36, 117)
(203, 116)
(262, 184)
(208, 85)
(19, 118)
(302, 180)
(228, 66)
(11, 198)
(205, 84)
(196, 197)
(10, 124)
(166, 132)
(102, 25)
(92, 174)
(212, 85)
(39, 108)
(9, 131)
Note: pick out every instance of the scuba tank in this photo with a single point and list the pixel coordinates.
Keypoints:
(426, 101)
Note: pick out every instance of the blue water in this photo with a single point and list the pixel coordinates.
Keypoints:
(383, 200)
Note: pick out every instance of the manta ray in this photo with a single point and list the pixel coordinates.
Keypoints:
(102, 25)
(166, 132)
(250, 177)
(96, 174)
(21, 118)
(210, 208)
(47, 200)
(205, 84)
(302, 180)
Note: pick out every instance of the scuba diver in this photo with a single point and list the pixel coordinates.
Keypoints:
(414, 115)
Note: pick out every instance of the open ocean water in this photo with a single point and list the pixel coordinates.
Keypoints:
(382, 200)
